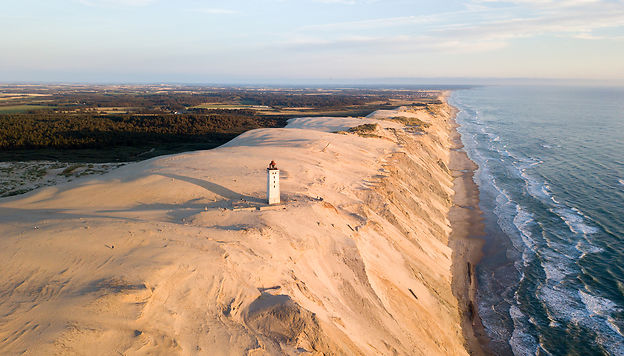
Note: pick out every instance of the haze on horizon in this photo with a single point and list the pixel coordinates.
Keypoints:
(247, 41)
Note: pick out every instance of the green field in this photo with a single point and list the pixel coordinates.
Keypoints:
(22, 108)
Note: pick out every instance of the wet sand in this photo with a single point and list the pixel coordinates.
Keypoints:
(467, 243)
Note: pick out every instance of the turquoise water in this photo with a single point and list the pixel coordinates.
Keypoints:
(552, 191)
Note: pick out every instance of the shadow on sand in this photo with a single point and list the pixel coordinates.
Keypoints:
(215, 188)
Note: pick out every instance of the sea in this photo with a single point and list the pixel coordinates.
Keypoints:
(551, 180)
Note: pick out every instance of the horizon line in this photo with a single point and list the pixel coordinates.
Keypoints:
(358, 82)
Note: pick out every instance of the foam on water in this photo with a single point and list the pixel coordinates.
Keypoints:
(515, 221)
(543, 227)
(575, 221)
(572, 217)
(600, 311)
(522, 342)
(555, 271)
(534, 187)
(597, 305)
(585, 247)
(556, 259)
(523, 220)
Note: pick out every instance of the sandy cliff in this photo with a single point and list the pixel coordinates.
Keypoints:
(179, 255)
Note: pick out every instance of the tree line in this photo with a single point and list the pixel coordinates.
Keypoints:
(89, 130)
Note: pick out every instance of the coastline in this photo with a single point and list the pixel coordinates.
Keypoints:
(466, 242)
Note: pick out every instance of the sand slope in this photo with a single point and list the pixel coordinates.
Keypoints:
(173, 256)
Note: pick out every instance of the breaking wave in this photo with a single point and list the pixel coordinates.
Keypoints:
(553, 242)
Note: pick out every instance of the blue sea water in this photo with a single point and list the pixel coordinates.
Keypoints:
(551, 180)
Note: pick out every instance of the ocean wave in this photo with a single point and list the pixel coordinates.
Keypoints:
(540, 224)
(561, 305)
(564, 303)
(522, 221)
(514, 220)
(571, 216)
(585, 247)
(506, 211)
(613, 324)
(564, 306)
(535, 188)
(556, 267)
(602, 309)
(521, 342)
(598, 305)
(575, 221)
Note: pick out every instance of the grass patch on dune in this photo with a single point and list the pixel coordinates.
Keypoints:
(413, 124)
(410, 121)
(365, 130)
(70, 170)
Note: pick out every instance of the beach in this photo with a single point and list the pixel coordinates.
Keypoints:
(467, 244)
(371, 251)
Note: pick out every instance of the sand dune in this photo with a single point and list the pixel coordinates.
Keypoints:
(180, 254)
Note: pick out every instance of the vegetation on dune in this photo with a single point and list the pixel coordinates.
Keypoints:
(67, 172)
(364, 130)
(410, 122)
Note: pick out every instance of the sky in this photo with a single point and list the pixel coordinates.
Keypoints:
(321, 41)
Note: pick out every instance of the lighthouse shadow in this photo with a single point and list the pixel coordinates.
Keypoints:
(216, 188)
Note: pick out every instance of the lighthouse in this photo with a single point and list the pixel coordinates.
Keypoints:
(273, 188)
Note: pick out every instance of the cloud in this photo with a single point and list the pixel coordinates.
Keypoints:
(372, 23)
(347, 2)
(397, 45)
(215, 11)
(481, 26)
(116, 2)
(543, 3)
(569, 21)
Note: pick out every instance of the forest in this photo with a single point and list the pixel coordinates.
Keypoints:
(50, 130)
(126, 123)
(58, 130)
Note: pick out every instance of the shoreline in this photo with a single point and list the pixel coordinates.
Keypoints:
(466, 241)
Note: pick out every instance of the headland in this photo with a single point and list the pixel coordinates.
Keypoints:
(180, 254)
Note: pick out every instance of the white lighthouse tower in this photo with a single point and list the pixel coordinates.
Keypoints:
(273, 188)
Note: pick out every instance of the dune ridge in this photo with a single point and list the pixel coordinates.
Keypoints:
(180, 255)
